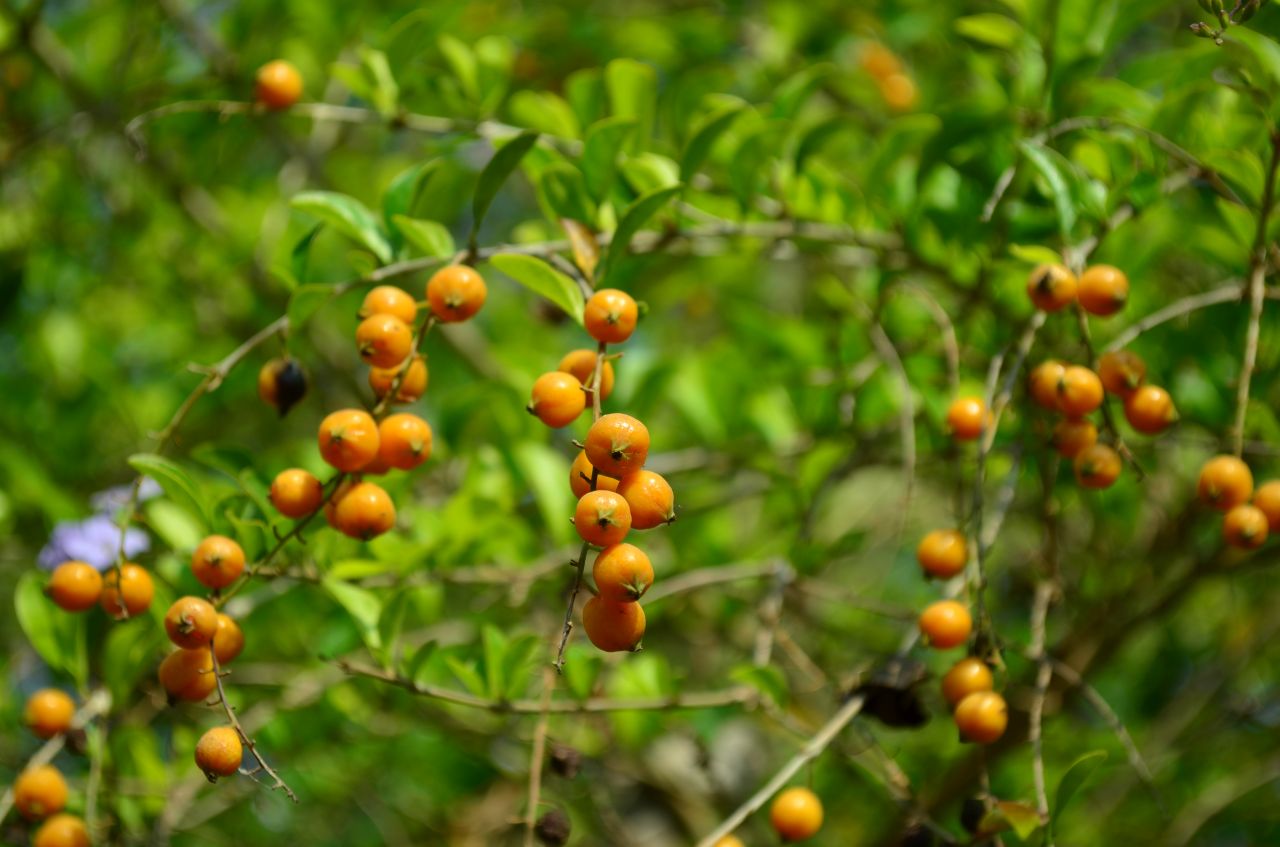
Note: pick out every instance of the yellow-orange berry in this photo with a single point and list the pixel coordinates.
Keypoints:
(943, 553)
(389, 300)
(384, 341)
(1225, 482)
(613, 627)
(456, 293)
(128, 590)
(967, 417)
(228, 639)
(1103, 290)
(966, 677)
(617, 444)
(217, 561)
(296, 493)
(650, 497)
(218, 752)
(622, 573)
(39, 792)
(1267, 498)
(278, 85)
(582, 364)
(75, 586)
(348, 439)
(610, 316)
(602, 518)
(580, 478)
(1245, 526)
(404, 441)
(191, 622)
(1051, 287)
(557, 399)
(61, 830)
(879, 61)
(1121, 371)
(796, 814)
(730, 841)
(412, 385)
(1150, 410)
(188, 674)
(899, 92)
(982, 717)
(365, 511)
(946, 624)
(1071, 436)
(49, 712)
(1097, 466)
(1079, 391)
(1043, 383)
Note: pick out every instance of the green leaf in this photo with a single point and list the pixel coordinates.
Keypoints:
(466, 674)
(541, 278)
(517, 663)
(632, 90)
(176, 482)
(384, 92)
(430, 237)
(1043, 162)
(463, 64)
(364, 607)
(347, 215)
(699, 147)
(581, 670)
(769, 680)
(544, 470)
(990, 28)
(564, 189)
(1073, 779)
(604, 140)
(635, 217)
(173, 523)
(495, 650)
(795, 90)
(649, 171)
(402, 194)
(59, 637)
(1034, 254)
(128, 654)
(305, 301)
(1021, 818)
(495, 173)
(418, 663)
(544, 111)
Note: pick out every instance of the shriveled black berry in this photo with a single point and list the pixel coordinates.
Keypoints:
(553, 828)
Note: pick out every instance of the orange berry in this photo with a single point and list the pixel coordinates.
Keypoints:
(74, 586)
(730, 841)
(278, 85)
(617, 444)
(128, 590)
(1150, 410)
(1245, 526)
(39, 792)
(943, 553)
(404, 441)
(1051, 287)
(898, 91)
(610, 316)
(296, 493)
(557, 399)
(281, 384)
(1103, 290)
(228, 639)
(188, 674)
(348, 439)
(456, 293)
(966, 677)
(879, 61)
(622, 573)
(1079, 391)
(1097, 466)
(796, 814)
(1225, 482)
(191, 622)
(384, 341)
(217, 561)
(1073, 435)
(1043, 383)
(1121, 371)
(1267, 498)
(602, 518)
(412, 385)
(218, 752)
(49, 712)
(389, 300)
(61, 830)
(582, 364)
(967, 417)
(650, 497)
(580, 478)
(613, 627)
(946, 624)
(982, 717)
(365, 512)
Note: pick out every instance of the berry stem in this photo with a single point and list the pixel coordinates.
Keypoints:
(248, 742)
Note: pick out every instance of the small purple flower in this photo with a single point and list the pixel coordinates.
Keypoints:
(95, 540)
(117, 497)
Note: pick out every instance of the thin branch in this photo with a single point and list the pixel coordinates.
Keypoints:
(716, 575)
(263, 765)
(535, 758)
(1228, 293)
(1213, 800)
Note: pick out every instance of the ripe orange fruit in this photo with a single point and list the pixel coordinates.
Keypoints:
(730, 841)
(412, 385)
(982, 717)
(967, 417)
(49, 712)
(1071, 436)
(650, 497)
(188, 674)
(1079, 391)
(1043, 383)
(456, 293)
(218, 752)
(610, 316)
(228, 639)
(217, 561)
(191, 622)
(348, 439)
(1150, 410)
(61, 830)
(582, 364)
(966, 677)
(1103, 290)
(879, 61)
(296, 493)
(946, 624)
(796, 814)
(622, 573)
(39, 792)
(602, 518)
(1121, 371)
(1267, 498)
(898, 91)
(1225, 482)
(1097, 466)
(1245, 526)
(278, 85)
(404, 441)
(389, 300)
(1051, 287)
(384, 341)
(943, 553)
(129, 589)
(74, 586)
(365, 511)
(580, 478)
(613, 627)
(617, 444)
(557, 399)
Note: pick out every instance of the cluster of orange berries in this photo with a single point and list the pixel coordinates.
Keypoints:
(40, 792)
(615, 493)
(1250, 516)
(126, 591)
(883, 65)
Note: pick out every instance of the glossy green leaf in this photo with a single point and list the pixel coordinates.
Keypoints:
(177, 483)
(990, 28)
(305, 301)
(633, 219)
(632, 90)
(462, 62)
(401, 196)
(495, 173)
(540, 278)
(1073, 779)
(1059, 186)
(364, 606)
(58, 636)
(348, 216)
(604, 141)
(700, 145)
(429, 237)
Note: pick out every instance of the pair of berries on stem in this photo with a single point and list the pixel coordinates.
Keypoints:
(1249, 516)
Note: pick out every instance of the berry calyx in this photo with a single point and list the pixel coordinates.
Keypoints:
(1103, 290)
(1225, 482)
(191, 622)
(946, 624)
(218, 752)
(796, 814)
(404, 441)
(296, 493)
(622, 573)
(75, 586)
(610, 316)
(217, 561)
(582, 364)
(982, 717)
(602, 518)
(617, 444)
(456, 293)
(1051, 287)
(127, 591)
(943, 553)
(389, 300)
(613, 627)
(650, 497)
(278, 85)
(348, 439)
(384, 341)
(49, 712)
(557, 399)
